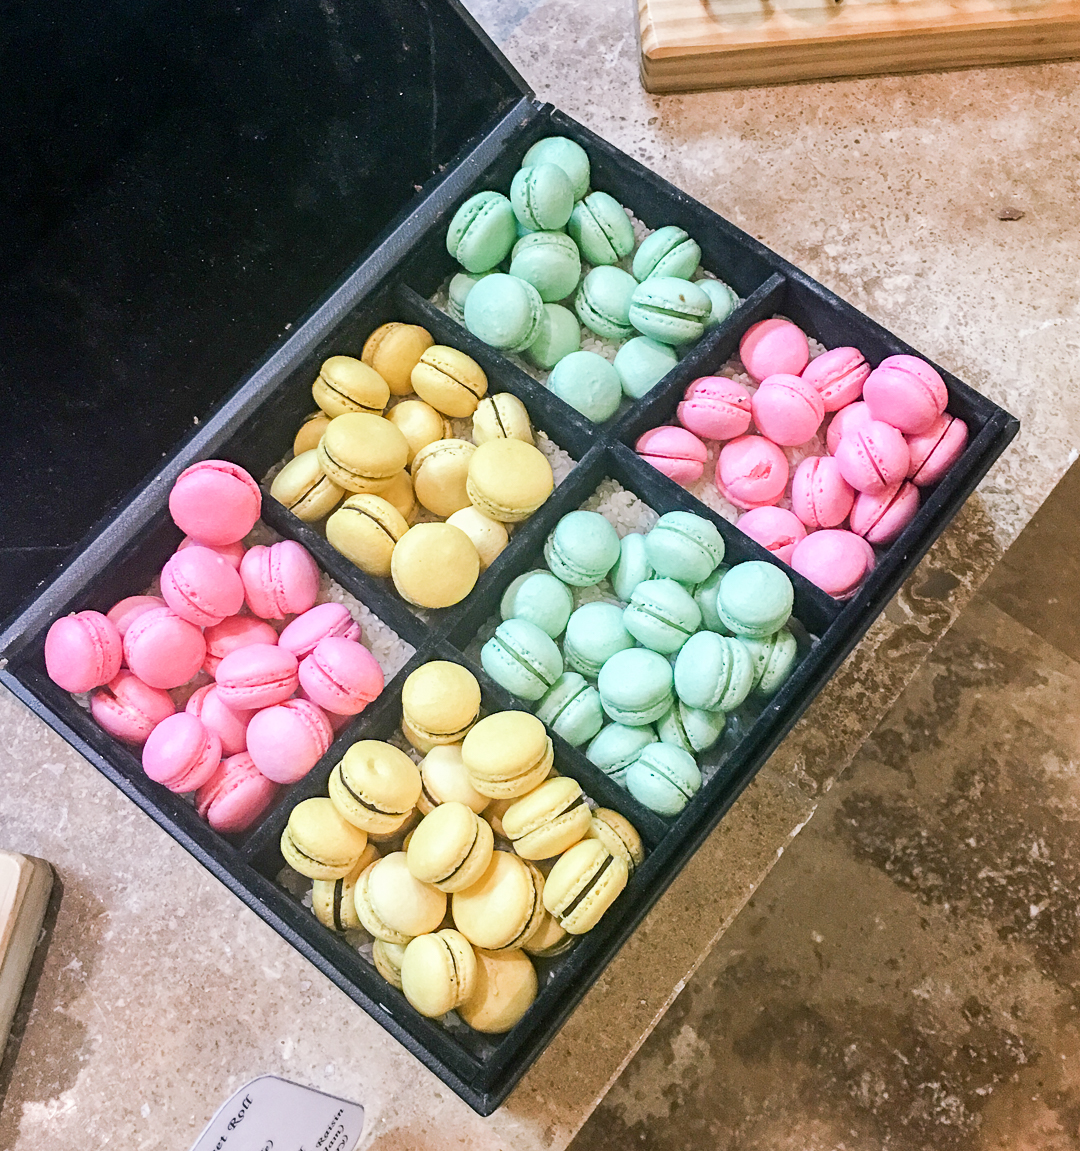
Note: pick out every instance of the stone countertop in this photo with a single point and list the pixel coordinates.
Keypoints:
(160, 993)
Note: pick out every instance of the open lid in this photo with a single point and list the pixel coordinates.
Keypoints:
(181, 183)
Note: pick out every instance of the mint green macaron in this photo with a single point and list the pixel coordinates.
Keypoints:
(582, 548)
(664, 778)
(558, 336)
(542, 197)
(642, 363)
(461, 284)
(482, 231)
(568, 154)
(691, 728)
(601, 229)
(549, 261)
(669, 309)
(603, 303)
(685, 547)
(522, 658)
(705, 597)
(724, 300)
(588, 383)
(755, 599)
(571, 708)
(713, 672)
(504, 312)
(616, 747)
(667, 252)
(633, 566)
(594, 633)
(540, 598)
(774, 660)
(661, 615)
(636, 686)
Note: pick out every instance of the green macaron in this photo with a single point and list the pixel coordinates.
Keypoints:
(588, 383)
(667, 252)
(558, 336)
(636, 686)
(691, 728)
(616, 747)
(713, 672)
(664, 778)
(549, 261)
(522, 658)
(724, 300)
(482, 231)
(504, 312)
(755, 599)
(540, 598)
(542, 196)
(774, 660)
(642, 363)
(705, 597)
(582, 548)
(461, 285)
(568, 154)
(669, 309)
(685, 547)
(571, 708)
(601, 228)
(633, 566)
(661, 615)
(603, 302)
(594, 633)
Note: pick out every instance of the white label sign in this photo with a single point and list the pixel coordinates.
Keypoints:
(272, 1114)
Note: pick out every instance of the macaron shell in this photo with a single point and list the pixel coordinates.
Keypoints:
(228, 724)
(820, 496)
(129, 709)
(838, 376)
(880, 519)
(279, 580)
(162, 649)
(235, 796)
(845, 421)
(341, 675)
(201, 587)
(679, 454)
(774, 345)
(506, 986)
(180, 753)
(906, 392)
(215, 501)
(83, 651)
(787, 410)
(751, 471)
(231, 633)
(837, 561)
(327, 619)
(935, 451)
(255, 676)
(715, 408)
(776, 529)
(127, 610)
(873, 457)
(287, 740)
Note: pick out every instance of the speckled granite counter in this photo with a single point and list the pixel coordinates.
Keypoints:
(160, 992)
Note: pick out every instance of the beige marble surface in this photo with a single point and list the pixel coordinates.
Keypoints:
(160, 992)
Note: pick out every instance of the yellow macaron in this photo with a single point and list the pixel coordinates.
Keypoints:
(501, 416)
(365, 529)
(419, 423)
(507, 754)
(508, 479)
(399, 492)
(434, 565)
(583, 884)
(440, 475)
(489, 537)
(438, 972)
(345, 384)
(362, 453)
(311, 431)
(375, 786)
(443, 779)
(547, 821)
(450, 848)
(503, 908)
(440, 702)
(393, 350)
(332, 899)
(319, 843)
(506, 986)
(393, 905)
(619, 836)
(302, 487)
(450, 381)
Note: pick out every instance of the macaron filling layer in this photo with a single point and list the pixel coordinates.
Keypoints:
(587, 889)
(348, 469)
(351, 401)
(366, 804)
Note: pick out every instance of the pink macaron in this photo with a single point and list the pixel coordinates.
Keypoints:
(873, 458)
(880, 519)
(341, 676)
(286, 741)
(715, 408)
(787, 410)
(232, 553)
(234, 797)
(906, 392)
(301, 636)
(201, 587)
(837, 561)
(279, 580)
(846, 420)
(679, 454)
(934, 451)
(838, 376)
(215, 501)
(129, 709)
(228, 724)
(820, 496)
(776, 529)
(337, 722)
(751, 472)
(257, 675)
(83, 651)
(180, 753)
(131, 608)
(772, 346)
(236, 631)
(162, 649)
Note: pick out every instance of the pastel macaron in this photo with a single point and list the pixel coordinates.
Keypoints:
(482, 231)
(661, 615)
(685, 547)
(906, 392)
(301, 487)
(880, 519)
(395, 906)
(751, 471)
(873, 457)
(787, 409)
(669, 251)
(366, 529)
(440, 702)
(434, 565)
(346, 384)
(318, 623)
(594, 633)
(334, 902)
(440, 475)
(540, 598)
(934, 451)
(664, 778)
(838, 376)
(129, 709)
(503, 907)
(755, 598)
(820, 496)
(285, 741)
(617, 746)
(393, 350)
(84, 651)
(774, 345)
(601, 228)
(279, 580)
(232, 553)
(632, 566)
(507, 754)
(236, 631)
(375, 786)
(558, 334)
(201, 587)
(501, 416)
(318, 843)
(340, 675)
(489, 537)
(522, 658)
(603, 300)
(122, 614)
(215, 501)
(180, 753)
(568, 154)
(419, 423)
(774, 659)
(542, 196)
(258, 675)
(571, 708)
(837, 561)
(449, 381)
(669, 309)
(550, 261)
(508, 479)
(227, 723)
(549, 820)
(679, 454)
(588, 383)
(641, 363)
(443, 779)
(713, 672)
(450, 848)
(584, 883)
(636, 686)
(438, 972)
(235, 796)
(715, 408)
(162, 649)
(619, 836)
(845, 422)
(362, 453)
(506, 986)
(504, 312)
(776, 529)
(582, 548)
(692, 728)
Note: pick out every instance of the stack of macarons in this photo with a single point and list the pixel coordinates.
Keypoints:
(681, 642)
(527, 863)
(553, 260)
(382, 443)
(888, 437)
(265, 705)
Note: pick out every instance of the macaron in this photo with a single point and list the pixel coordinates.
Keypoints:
(641, 363)
(489, 536)
(661, 615)
(365, 529)
(125, 612)
(450, 848)
(279, 580)
(542, 196)
(774, 345)
(503, 907)
(684, 546)
(129, 709)
(934, 451)
(449, 381)
(751, 471)
(548, 940)
(755, 598)
(506, 986)
(311, 431)
(664, 778)
(201, 587)
(419, 423)
(845, 421)
(302, 487)
(838, 376)
(215, 501)
(443, 779)
(669, 309)
(440, 475)
(233, 554)
(820, 496)
(540, 598)
(395, 906)
(504, 312)
(548, 820)
(692, 728)
(388, 958)
(776, 529)
(507, 754)
(907, 393)
(334, 900)
(619, 836)
(162, 649)
(603, 302)
(571, 708)
(258, 675)
(550, 261)
(227, 723)
(375, 786)
(362, 453)
(787, 409)
(715, 408)
(594, 633)
(440, 702)
(723, 297)
(705, 594)
(588, 383)
(617, 746)
(318, 843)
(582, 548)
(340, 675)
(318, 623)
(235, 796)
(461, 284)
(632, 566)
(558, 334)
(399, 492)
(85, 650)
(880, 519)
(568, 154)
(522, 658)
(713, 672)
(584, 883)
(393, 350)
(508, 479)
(635, 686)
(837, 561)
(601, 228)
(679, 454)
(287, 740)
(482, 231)
(774, 659)
(668, 251)
(438, 972)
(501, 416)
(873, 457)
(434, 565)
(345, 384)
(180, 753)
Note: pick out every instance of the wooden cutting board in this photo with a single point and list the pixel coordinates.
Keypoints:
(25, 884)
(691, 44)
